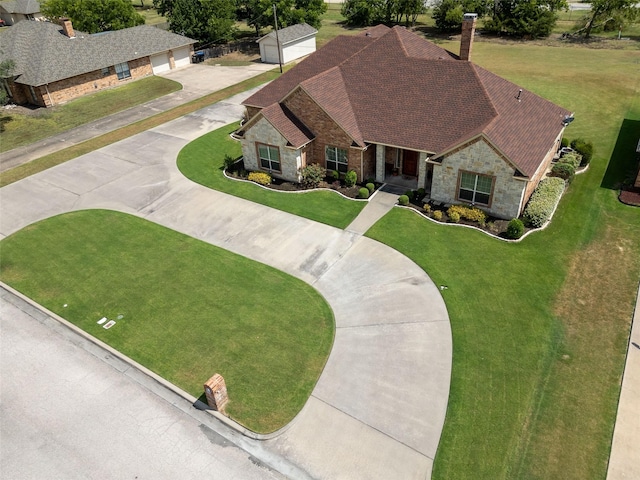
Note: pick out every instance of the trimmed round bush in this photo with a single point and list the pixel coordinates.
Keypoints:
(312, 175)
(565, 171)
(260, 177)
(350, 178)
(515, 229)
(564, 142)
(586, 150)
(363, 193)
(437, 215)
(573, 158)
(371, 187)
(454, 217)
(335, 174)
(403, 200)
(427, 208)
(410, 194)
(420, 193)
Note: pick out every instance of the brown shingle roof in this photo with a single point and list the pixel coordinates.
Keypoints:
(397, 89)
(288, 125)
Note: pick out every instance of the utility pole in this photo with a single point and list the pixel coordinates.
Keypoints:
(275, 20)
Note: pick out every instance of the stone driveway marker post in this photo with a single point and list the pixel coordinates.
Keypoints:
(216, 391)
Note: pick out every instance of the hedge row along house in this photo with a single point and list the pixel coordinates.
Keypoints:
(54, 64)
(389, 101)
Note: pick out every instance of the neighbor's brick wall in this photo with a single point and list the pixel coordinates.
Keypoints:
(75, 87)
(327, 131)
(479, 158)
(263, 132)
(19, 93)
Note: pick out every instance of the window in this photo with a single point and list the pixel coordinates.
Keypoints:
(269, 157)
(475, 188)
(122, 70)
(105, 71)
(336, 159)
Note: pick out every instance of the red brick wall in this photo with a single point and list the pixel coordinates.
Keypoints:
(74, 87)
(369, 162)
(327, 131)
(533, 183)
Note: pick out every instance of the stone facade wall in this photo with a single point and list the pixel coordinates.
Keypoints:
(328, 132)
(263, 132)
(479, 158)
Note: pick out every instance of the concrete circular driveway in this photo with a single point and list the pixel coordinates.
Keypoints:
(379, 406)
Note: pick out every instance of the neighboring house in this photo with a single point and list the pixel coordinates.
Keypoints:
(295, 41)
(388, 101)
(54, 64)
(13, 11)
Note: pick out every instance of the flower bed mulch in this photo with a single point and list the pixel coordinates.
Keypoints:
(630, 196)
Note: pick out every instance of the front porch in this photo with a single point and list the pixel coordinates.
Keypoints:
(403, 168)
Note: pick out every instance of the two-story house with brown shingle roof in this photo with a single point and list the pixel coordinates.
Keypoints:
(389, 100)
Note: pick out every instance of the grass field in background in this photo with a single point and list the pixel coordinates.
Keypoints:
(189, 309)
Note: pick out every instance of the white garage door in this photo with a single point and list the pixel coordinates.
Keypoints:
(271, 54)
(160, 63)
(182, 57)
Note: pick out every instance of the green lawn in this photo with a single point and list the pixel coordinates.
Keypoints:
(540, 328)
(189, 309)
(202, 162)
(22, 129)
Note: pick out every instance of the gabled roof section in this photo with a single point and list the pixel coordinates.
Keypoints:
(44, 54)
(394, 88)
(291, 33)
(24, 7)
(292, 129)
(329, 91)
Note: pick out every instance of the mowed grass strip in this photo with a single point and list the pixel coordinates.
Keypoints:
(203, 162)
(540, 328)
(51, 160)
(189, 309)
(22, 129)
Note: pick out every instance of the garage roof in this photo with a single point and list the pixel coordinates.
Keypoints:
(292, 33)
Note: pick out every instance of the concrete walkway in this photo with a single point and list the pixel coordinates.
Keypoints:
(379, 205)
(197, 80)
(624, 462)
(379, 406)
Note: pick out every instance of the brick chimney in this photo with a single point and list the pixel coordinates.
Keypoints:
(468, 30)
(67, 28)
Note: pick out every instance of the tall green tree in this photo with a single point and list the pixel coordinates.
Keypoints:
(448, 13)
(369, 12)
(259, 13)
(93, 16)
(524, 18)
(604, 11)
(208, 21)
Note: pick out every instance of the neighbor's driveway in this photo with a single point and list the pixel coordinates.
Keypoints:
(379, 406)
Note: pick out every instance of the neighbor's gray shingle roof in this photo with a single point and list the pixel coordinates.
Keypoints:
(44, 54)
(24, 7)
(395, 88)
(292, 33)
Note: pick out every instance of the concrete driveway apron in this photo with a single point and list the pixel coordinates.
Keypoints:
(378, 408)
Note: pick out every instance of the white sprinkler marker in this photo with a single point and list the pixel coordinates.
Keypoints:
(102, 320)
(109, 324)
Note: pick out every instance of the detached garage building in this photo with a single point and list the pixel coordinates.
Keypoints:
(295, 41)
(55, 64)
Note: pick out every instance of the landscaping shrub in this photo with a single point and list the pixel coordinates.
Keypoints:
(403, 200)
(565, 171)
(335, 174)
(473, 214)
(410, 194)
(427, 208)
(260, 177)
(228, 161)
(363, 193)
(515, 229)
(454, 216)
(420, 193)
(350, 178)
(564, 142)
(312, 175)
(371, 187)
(573, 158)
(583, 148)
(543, 201)
(437, 215)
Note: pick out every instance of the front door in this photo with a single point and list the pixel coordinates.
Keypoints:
(410, 163)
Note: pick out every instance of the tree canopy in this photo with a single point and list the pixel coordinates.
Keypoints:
(208, 21)
(93, 16)
(610, 12)
(362, 13)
